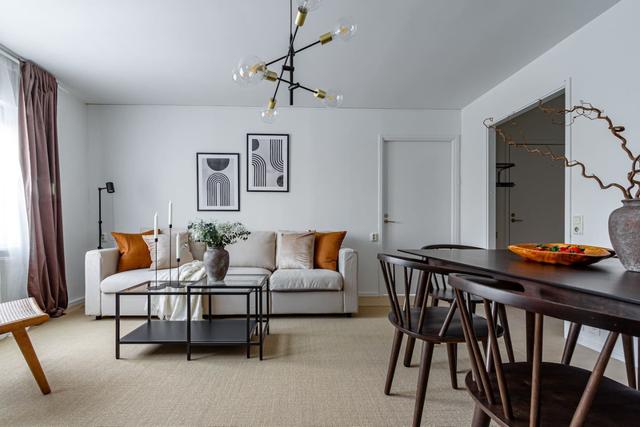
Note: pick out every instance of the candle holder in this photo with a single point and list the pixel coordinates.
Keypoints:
(157, 286)
(170, 241)
(177, 284)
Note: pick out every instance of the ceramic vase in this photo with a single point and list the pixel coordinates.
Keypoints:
(624, 232)
(216, 263)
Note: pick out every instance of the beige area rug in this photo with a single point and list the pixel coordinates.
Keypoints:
(319, 371)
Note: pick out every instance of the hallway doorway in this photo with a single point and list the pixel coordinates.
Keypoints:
(530, 189)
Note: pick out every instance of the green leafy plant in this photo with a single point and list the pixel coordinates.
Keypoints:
(216, 234)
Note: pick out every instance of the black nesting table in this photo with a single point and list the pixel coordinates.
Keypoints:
(248, 330)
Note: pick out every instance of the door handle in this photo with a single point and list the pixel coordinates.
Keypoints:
(388, 221)
(516, 220)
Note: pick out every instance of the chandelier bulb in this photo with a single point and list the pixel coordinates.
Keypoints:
(308, 5)
(330, 98)
(269, 114)
(251, 70)
(344, 30)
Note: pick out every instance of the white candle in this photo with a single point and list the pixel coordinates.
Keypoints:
(170, 212)
(155, 225)
(178, 246)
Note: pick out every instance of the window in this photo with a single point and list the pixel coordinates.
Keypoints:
(14, 249)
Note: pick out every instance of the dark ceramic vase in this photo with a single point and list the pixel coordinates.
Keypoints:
(216, 263)
(624, 232)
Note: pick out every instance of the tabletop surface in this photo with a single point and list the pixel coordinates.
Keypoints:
(233, 283)
(607, 278)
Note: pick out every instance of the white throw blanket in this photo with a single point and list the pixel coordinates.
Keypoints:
(174, 307)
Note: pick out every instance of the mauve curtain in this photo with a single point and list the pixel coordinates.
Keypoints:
(40, 169)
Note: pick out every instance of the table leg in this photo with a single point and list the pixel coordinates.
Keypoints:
(248, 326)
(188, 324)
(260, 322)
(269, 308)
(117, 326)
(629, 360)
(529, 319)
(570, 344)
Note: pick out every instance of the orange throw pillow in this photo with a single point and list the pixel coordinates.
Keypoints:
(134, 252)
(326, 251)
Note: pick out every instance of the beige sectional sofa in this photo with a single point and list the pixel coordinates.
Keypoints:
(292, 291)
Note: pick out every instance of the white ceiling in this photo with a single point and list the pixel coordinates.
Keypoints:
(407, 53)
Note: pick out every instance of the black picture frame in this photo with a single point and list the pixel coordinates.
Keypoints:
(251, 183)
(235, 207)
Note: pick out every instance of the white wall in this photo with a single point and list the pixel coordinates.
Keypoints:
(599, 63)
(149, 152)
(74, 169)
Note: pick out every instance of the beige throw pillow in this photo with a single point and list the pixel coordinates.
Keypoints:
(295, 250)
(163, 250)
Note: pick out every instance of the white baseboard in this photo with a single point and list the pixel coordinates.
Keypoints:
(75, 303)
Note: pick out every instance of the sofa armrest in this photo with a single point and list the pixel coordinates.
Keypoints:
(348, 267)
(98, 264)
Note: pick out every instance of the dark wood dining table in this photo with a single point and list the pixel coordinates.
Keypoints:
(605, 287)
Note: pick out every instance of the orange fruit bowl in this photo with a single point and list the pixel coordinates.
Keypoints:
(558, 253)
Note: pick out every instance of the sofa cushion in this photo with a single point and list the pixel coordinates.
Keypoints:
(284, 280)
(166, 251)
(326, 250)
(295, 250)
(259, 250)
(120, 281)
(134, 252)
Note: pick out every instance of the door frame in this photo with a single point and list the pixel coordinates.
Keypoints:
(454, 141)
(491, 164)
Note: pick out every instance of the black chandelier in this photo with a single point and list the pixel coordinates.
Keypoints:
(252, 70)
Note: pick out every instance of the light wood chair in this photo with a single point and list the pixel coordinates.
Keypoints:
(16, 317)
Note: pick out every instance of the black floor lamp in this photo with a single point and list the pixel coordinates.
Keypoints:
(110, 189)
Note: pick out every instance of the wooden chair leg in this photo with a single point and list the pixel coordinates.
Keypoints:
(629, 359)
(504, 322)
(423, 379)
(570, 345)
(594, 381)
(393, 360)
(408, 352)
(452, 352)
(480, 418)
(22, 338)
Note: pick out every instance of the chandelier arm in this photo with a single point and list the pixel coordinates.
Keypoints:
(294, 52)
(297, 84)
(295, 33)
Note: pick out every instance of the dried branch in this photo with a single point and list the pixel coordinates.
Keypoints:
(551, 155)
(587, 110)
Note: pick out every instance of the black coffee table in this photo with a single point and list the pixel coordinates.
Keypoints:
(249, 330)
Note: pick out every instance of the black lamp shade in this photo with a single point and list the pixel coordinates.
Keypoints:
(110, 187)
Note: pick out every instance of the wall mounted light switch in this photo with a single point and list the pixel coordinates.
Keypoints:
(577, 225)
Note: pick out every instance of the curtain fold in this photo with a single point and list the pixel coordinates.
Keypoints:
(14, 233)
(41, 175)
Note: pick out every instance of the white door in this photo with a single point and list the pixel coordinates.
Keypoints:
(536, 202)
(417, 193)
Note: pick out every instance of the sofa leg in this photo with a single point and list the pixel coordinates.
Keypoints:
(98, 317)
(348, 315)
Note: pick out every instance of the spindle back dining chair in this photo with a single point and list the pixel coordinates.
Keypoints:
(541, 393)
(431, 325)
(439, 291)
